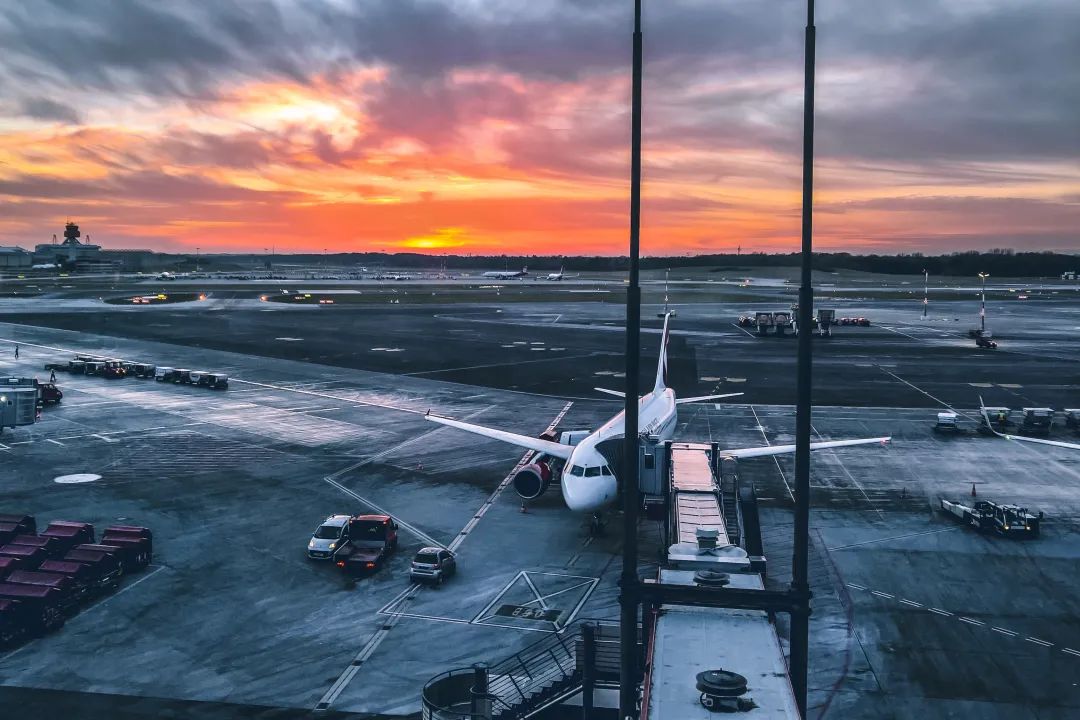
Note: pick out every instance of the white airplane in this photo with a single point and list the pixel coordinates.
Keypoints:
(588, 483)
(555, 277)
(506, 274)
(166, 276)
(1022, 438)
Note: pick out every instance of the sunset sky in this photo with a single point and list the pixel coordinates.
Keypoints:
(492, 126)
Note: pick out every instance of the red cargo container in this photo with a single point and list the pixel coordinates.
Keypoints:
(83, 575)
(140, 549)
(24, 523)
(50, 545)
(70, 534)
(70, 594)
(44, 611)
(9, 564)
(106, 568)
(126, 554)
(31, 556)
(129, 531)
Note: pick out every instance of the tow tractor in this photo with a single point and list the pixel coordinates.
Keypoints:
(985, 516)
(371, 539)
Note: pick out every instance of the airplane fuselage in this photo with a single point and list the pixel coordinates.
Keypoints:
(587, 481)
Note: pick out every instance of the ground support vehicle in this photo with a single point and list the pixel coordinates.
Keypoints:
(49, 394)
(1037, 421)
(781, 321)
(985, 340)
(142, 370)
(432, 565)
(986, 516)
(371, 539)
(44, 609)
(947, 424)
(214, 381)
(764, 321)
(165, 374)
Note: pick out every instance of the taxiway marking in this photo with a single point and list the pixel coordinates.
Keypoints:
(964, 619)
(742, 329)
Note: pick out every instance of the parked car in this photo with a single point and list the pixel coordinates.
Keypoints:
(328, 537)
(432, 565)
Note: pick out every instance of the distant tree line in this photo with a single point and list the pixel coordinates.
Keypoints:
(999, 262)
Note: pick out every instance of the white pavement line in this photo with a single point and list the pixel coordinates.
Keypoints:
(882, 594)
(1070, 651)
(1003, 631)
(938, 611)
(774, 457)
(4, 447)
(970, 621)
(899, 332)
(894, 537)
(55, 442)
(373, 644)
(536, 592)
(102, 437)
(122, 590)
(1037, 641)
(742, 329)
(912, 603)
(411, 528)
(840, 462)
(857, 587)
(542, 598)
(499, 364)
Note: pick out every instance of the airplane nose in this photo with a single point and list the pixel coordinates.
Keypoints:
(587, 495)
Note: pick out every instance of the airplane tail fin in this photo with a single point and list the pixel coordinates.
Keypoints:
(662, 364)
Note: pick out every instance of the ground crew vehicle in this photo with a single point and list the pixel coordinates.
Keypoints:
(371, 539)
(195, 377)
(44, 607)
(95, 367)
(143, 370)
(432, 565)
(57, 365)
(164, 374)
(1072, 418)
(985, 340)
(999, 420)
(764, 321)
(1037, 421)
(114, 369)
(70, 594)
(105, 568)
(182, 376)
(49, 394)
(781, 321)
(214, 381)
(946, 423)
(985, 516)
(328, 537)
(77, 367)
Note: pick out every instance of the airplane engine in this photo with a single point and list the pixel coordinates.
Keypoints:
(531, 481)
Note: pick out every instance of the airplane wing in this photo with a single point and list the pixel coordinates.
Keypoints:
(785, 449)
(616, 393)
(1052, 443)
(542, 446)
(702, 398)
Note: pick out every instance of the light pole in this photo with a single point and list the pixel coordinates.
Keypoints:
(628, 580)
(926, 292)
(196, 258)
(982, 310)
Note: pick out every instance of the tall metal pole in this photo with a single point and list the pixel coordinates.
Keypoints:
(982, 309)
(628, 597)
(800, 620)
(926, 292)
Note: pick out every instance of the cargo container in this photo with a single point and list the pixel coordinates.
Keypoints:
(70, 596)
(23, 523)
(52, 547)
(69, 534)
(105, 568)
(125, 554)
(8, 565)
(44, 611)
(31, 556)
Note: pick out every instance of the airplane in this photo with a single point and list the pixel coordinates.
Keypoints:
(44, 266)
(555, 277)
(1022, 438)
(166, 276)
(588, 483)
(506, 274)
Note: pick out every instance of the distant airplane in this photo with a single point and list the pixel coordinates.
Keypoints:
(506, 274)
(555, 277)
(588, 483)
(166, 276)
(44, 266)
(1021, 438)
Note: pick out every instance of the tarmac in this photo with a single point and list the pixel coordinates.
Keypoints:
(915, 616)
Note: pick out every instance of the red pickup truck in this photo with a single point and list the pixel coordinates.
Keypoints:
(371, 538)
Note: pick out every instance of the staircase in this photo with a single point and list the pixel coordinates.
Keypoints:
(528, 681)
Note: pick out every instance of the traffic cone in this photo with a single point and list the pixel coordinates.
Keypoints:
(973, 493)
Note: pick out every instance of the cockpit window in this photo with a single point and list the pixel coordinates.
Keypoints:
(576, 470)
(594, 471)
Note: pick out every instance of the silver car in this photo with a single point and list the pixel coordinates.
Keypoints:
(328, 537)
(433, 565)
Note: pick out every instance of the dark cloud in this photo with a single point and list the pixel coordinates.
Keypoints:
(45, 109)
